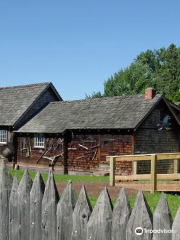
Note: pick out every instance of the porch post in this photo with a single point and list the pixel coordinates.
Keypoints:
(112, 171)
(176, 166)
(65, 154)
(153, 182)
(15, 149)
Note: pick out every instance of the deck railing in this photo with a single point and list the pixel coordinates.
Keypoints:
(153, 176)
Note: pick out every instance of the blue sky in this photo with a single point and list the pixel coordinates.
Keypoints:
(78, 44)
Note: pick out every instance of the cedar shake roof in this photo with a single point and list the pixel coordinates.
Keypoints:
(15, 101)
(123, 112)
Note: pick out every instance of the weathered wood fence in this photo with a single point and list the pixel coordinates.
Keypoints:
(32, 211)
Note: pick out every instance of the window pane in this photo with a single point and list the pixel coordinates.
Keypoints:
(3, 136)
(39, 140)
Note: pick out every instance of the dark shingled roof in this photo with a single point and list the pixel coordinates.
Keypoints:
(14, 101)
(124, 112)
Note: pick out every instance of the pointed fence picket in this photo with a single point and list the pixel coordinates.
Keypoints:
(176, 227)
(5, 190)
(120, 217)
(162, 219)
(23, 192)
(100, 221)
(80, 217)
(140, 219)
(32, 211)
(36, 196)
(49, 209)
(13, 211)
(64, 213)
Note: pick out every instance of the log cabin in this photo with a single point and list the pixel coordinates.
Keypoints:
(18, 104)
(78, 135)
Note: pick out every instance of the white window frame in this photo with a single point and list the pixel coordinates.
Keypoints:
(39, 141)
(3, 136)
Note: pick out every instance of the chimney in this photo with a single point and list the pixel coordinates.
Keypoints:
(150, 93)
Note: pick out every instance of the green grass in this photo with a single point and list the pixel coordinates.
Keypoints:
(61, 177)
(152, 199)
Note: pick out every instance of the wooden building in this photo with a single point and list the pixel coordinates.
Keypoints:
(78, 135)
(18, 105)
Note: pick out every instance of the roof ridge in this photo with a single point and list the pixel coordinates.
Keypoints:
(103, 98)
(26, 85)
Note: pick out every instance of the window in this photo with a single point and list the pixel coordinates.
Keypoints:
(39, 140)
(3, 136)
(106, 142)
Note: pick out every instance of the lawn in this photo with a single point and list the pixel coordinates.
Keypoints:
(61, 177)
(152, 199)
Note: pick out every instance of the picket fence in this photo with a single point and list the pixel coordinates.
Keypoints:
(32, 211)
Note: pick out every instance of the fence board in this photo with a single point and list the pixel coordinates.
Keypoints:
(99, 225)
(162, 219)
(24, 189)
(49, 208)
(81, 214)
(13, 211)
(120, 217)
(140, 219)
(24, 218)
(5, 190)
(176, 227)
(36, 196)
(64, 213)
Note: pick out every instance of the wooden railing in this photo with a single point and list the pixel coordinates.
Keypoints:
(153, 176)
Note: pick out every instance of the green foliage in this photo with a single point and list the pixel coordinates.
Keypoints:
(94, 95)
(159, 69)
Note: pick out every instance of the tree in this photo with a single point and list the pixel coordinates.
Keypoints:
(95, 95)
(159, 69)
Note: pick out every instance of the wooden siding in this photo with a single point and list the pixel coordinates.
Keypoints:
(85, 151)
(148, 139)
(27, 153)
(91, 150)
